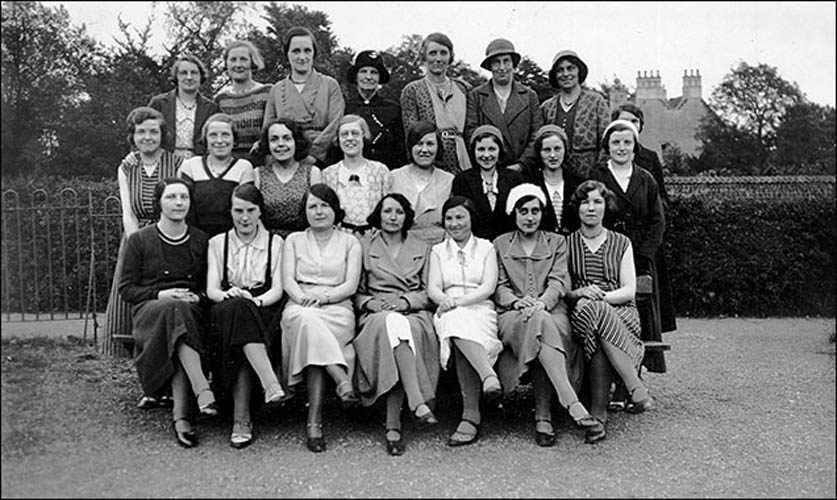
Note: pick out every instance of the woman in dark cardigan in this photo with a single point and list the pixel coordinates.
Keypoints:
(163, 277)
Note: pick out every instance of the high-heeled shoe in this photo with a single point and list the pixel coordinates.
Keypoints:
(274, 394)
(209, 407)
(185, 439)
(347, 395)
(642, 405)
(426, 419)
(596, 433)
(456, 438)
(395, 447)
(315, 444)
(544, 438)
(491, 388)
(242, 434)
(579, 414)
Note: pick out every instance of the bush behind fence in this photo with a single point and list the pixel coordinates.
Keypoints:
(735, 246)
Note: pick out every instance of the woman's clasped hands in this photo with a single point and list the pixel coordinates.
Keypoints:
(529, 305)
(179, 294)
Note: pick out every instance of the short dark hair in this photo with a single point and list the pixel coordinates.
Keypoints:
(420, 129)
(294, 32)
(538, 145)
(619, 127)
(301, 143)
(501, 157)
(580, 194)
(522, 201)
(632, 109)
(141, 114)
(192, 59)
(459, 201)
(249, 192)
(374, 218)
(161, 186)
(325, 193)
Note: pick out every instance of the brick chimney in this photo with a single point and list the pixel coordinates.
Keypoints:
(649, 86)
(691, 84)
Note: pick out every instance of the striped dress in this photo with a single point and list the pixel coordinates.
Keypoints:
(141, 187)
(595, 320)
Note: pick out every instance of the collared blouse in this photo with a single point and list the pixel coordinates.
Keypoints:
(543, 274)
(246, 262)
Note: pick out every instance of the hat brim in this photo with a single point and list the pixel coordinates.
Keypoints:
(582, 70)
(351, 74)
(486, 63)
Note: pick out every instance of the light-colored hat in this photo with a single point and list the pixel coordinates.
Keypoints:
(497, 47)
(572, 56)
(521, 190)
(626, 123)
(485, 129)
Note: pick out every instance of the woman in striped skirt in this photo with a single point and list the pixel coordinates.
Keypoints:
(146, 165)
(604, 316)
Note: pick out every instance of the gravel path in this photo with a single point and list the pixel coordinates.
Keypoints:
(747, 409)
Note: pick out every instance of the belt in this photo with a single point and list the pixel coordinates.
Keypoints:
(311, 127)
(361, 230)
(450, 133)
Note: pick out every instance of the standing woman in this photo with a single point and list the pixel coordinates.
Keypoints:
(439, 99)
(244, 283)
(462, 279)
(137, 175)
(163, 274)
(488, 185)
(583, 113)
(366, 76)
(185, 109)
(639, 216)
(604, 317)
(359, 183)
(215, 175)
(284, 180)
(534, 326)
(313, 100)
(556, 182)
(425, 186)
(320, 272)
(397, 349)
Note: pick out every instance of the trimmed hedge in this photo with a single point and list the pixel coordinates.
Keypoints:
(754, 258)
(726, 256)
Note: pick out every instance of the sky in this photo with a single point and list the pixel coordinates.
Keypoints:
(615, 39)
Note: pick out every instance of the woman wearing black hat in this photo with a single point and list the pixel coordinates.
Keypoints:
(368, 73)
(583, 113)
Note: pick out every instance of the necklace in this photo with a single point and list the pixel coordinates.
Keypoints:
(187, 106)
(593, 237)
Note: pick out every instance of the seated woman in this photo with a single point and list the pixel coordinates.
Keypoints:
(320, 273)
(604, 316)
(358, 182)
(422, 183)
(534, 326)
(397, 349)
(557, 183)
(462, 278)
(284, 180)
(487, 184)
(244, 282)
(163, 273)
(215, 175)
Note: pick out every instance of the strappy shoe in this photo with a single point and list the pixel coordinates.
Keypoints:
(274, 394)
(491, 388)
(469, 437)
(579, 414)
(395, 447)
(642, 405)
(544, 438)
(242, 434)
(207, 404)
(347, 395)
(187, 439)
(596, 433)
(315, 444)
(426, 419)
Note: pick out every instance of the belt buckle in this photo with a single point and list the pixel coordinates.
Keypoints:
(448, 134)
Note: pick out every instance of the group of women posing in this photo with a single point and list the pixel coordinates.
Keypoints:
(371, 280)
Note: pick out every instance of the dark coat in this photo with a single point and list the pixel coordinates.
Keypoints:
(386, 126)
(569, 214)
(518, 124)
(489, 223)
(649, 160)
(166, 103)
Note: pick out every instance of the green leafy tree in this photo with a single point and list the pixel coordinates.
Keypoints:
(805, 140)
(752, 101)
